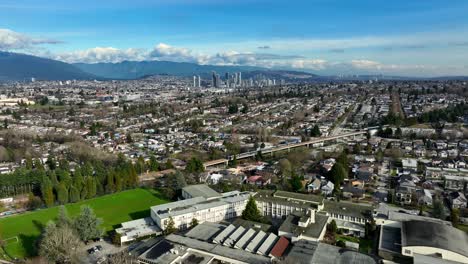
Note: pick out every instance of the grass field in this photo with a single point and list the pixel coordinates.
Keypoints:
(463, 227)
(113, 209)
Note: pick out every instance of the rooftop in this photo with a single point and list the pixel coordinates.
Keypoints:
(196, 204)
(288, 198)
(307, 252)
(201, 190)
(350, 209)
(217, 250)
(291, 225)
(429, 234)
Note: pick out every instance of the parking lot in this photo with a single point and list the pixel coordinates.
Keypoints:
(106, 248)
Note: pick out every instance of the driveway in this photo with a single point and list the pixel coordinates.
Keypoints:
(107, 249)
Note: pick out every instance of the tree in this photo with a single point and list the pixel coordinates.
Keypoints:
(47, 192)
(87, 225)
(170, 227)
(179, 181)
(251, 211)
(62, 193)
(315, 131)
(74, 194)
(332, 227)
(129, 138)
(343, 159)
(341, 244)
(338, 174)
(455, 217)
(370, 228)
(91, 187)
(62, 218)
(296, 183)
(357, 148)
(285, 167)
(233, 108)
(194, 165)
(438, 209)
(118, 182)
(140, 165)
(316, 108)
(34, 202)
(153, 164)
(59, 244)
(193, 223)
(110, 185)
(245, 108)
(398, 133)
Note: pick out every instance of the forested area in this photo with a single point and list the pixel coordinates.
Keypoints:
(58, 181)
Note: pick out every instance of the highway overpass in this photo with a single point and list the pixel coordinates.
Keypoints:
(287, 147)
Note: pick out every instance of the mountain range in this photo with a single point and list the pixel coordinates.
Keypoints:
(22, 67)
(19, 67)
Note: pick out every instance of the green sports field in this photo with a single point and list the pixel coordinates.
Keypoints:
(113, 209)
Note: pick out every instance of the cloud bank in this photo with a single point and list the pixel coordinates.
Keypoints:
(263, 55)
(10, 40)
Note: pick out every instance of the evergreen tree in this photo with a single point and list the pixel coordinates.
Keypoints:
(84, 193)
(153, 164)
(170, 227)
(78, 181)
(194, 165)
(438, 209)
(62, 218)
(338, 174)
(251, 211)
(74, 194)
(91, 187)
(51, 162)
(133, 177)
(47, 192)
(343, 159)
(315, 131)
(118, 182)
(455, 217)
(296, 183)
(87, 225)
(110, 184)
(62, 193)
(140, 165)
(332, 227)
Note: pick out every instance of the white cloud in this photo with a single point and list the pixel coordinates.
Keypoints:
(170, 53)
(11, 40)
(166, 52)
(101, 54)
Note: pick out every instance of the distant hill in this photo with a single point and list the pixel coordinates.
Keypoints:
(18, 67)
(139, 69)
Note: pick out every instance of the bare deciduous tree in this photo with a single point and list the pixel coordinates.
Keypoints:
(59, 244)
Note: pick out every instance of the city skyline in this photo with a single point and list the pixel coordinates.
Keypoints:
(323, 37)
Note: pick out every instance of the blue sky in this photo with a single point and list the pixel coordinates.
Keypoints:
(412, 37)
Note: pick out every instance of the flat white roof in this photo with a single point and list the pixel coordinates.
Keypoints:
(264, 249)
(223, 235)
(231, 240)
(255, 242)
(242, 242)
